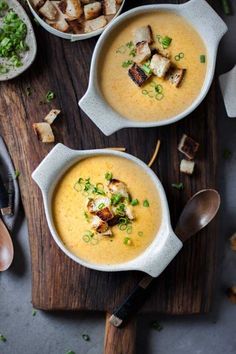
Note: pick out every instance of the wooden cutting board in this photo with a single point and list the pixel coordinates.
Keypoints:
(186, 287)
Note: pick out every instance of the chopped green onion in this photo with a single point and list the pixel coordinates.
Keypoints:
(2, 338)
(132, 53)
(202, 58)
(3, 69)
(34, 312)
(181, 55)
(17, 174)
(134, 202)
(86, 216)
(129, 229)
(177, 58)
(158, 88)
(121, 210)
(226, 7)
(101, 206)
(144, 92)
(127, 241)
(108, 176)
(159, 96)
(124, 220)
(115, 199)
(3, 6)
(50, 96)
(156, 325)
(86, 337)
(146, 68)
(121, 49)
(166, 41)
(130, 44)
(159, 38)
(178, 186)
(146, 203)
(227, 154)
(86, 238)
(122, 227)
(140, 233)
(127, 63)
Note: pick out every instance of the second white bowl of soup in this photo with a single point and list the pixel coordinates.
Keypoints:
(107, 210)
(153, 65)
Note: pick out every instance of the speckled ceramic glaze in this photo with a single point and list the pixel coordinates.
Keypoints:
(160, 252)
(207, 23)
(72, 37)
(228, 89)
(29, 55)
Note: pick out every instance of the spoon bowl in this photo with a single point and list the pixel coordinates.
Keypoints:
(198, 212)
(6, 248)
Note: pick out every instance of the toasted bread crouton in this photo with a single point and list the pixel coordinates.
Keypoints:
(92, 11)
(93, 25)
(231, 293)
(143, 34)
(187, 166)
(44, 132)
(143, 52)
(49, 11)
(75, 26)
(159, 65)
(109, 7)
(129, 212)
(188, 147)
(175, 76)
(99, 225)
(233, 242)
(117, 187)
(60, 25)
(94, 205)
(138, 75)
(72, 9)
(114, 221)
(37, 3)
(105, 214)
(52, 115)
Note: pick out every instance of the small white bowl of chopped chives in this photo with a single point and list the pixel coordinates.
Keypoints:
(17, 40)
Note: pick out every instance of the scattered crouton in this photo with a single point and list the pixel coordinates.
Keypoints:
(92, 11)
(44, 132)
(109, 7)
(49, 11)
(60, 25)
(143, 52)
(72, 9)
(138, 75)
(105, 214)
(93, 25)
(117, 187)
(187, 166)
(94, 204)
(188, 147)
(175, 76)
(233, 242)
(160, 65)
(143, 34)
(99, 225)
(129, 212)
(231, 293)
(52, 115)
(37, 3)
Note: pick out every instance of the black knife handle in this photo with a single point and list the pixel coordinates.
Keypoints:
(132, 303)
(4, 200)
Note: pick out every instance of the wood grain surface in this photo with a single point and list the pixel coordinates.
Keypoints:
(58, 282)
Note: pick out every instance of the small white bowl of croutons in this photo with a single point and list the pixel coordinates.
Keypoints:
(75, 19)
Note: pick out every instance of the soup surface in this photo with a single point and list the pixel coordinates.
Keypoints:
(90, 182)
(185, 51)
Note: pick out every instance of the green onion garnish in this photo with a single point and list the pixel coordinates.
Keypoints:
(129, 229)
(86, 238)
(3, 69)
(121, 50)
(50, 96)
(166, 41)
(134, 202)
(121, 210)
(115, 199)
(3, 6)
(144, 92)
(132, 53)
(122, 227)
(130, 44)
(86, 216)
(156, 325)
(17, 174)
(140, 233)
(226, 7)
(159, 96)
(127, 241)
(127, 63)
(146, 68)
(202, 58)
(86, 337)
(179, 56)
(146, 203)
(2, 338)
(108, 176)
(178, 186)
(101, 206)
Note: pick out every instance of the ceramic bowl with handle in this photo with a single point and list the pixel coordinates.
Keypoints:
(200, 15)
(154, 259)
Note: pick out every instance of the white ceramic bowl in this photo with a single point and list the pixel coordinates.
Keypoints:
(207, 23)
(161, 251)
(72, 37)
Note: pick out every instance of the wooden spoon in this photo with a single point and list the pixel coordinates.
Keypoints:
(6, 248)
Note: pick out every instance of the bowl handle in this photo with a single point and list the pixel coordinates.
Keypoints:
(51, 166)
(154, 266)
(201, 9)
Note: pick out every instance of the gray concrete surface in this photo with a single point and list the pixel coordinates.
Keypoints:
(47, 333)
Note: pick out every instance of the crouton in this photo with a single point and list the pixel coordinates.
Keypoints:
(92, 11)
(114, 221)
(109, 7)
(175, 76)
(138, 75)
(75, 26)
(231, 293)
(99, 225)
(94, 205)
(188, 147)
(105, 214)
(143, 34)
(52, 115)
(71, 9)
(49, 11)
(44, 132)
(93, 25)
(117, 187)
(160, 65)
(187, 166)
(143, 52)
(61, 24)
(233, 242)
(37, 3)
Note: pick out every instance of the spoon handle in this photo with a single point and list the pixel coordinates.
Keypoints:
(132, 303)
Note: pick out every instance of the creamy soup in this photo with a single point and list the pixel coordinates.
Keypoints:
(115, 190)
(157, 99)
